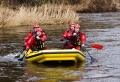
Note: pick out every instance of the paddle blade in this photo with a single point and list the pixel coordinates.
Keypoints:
(93, 60)
(97, 46)
(22, 58)
(17, 56)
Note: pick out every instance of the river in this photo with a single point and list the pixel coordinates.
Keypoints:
(100, 28)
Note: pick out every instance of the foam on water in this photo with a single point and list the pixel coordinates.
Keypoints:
(10, 58)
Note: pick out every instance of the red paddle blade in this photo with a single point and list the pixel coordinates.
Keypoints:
(97, 46)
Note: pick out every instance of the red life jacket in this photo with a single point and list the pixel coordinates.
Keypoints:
(37, 44)
(78, 39)
(34, 43)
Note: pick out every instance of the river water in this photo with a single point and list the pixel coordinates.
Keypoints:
(100, 28)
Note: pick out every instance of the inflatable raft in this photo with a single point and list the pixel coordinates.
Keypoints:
(55, 55)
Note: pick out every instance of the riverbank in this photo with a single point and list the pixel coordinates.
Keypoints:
(44, 14)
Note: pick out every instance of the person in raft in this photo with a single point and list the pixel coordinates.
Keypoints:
(36, 41)
(71, 28)
(35, 26)
(74, 39)
(71, 25)
(66, 35)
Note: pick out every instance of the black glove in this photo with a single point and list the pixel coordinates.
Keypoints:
(24, 47)
(61, 39)
(65, 40)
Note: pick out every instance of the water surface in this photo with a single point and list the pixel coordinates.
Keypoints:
(100, 28)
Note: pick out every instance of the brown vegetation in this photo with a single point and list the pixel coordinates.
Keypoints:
(100, 6)
(45, 14)
(28, 12)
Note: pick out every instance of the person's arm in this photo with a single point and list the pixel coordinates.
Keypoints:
(44, 37)
(64, 35)
(29, 43)
(27, 38)
(83, 38)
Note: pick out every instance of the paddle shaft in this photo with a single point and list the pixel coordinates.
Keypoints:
(18, 55)
(92, 59)
(21, 59)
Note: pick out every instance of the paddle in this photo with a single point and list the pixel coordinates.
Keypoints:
(97, 46)
(92, 59)
(21, 59)
(18, 55)
(23, 53)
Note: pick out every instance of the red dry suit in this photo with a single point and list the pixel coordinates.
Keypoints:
(28, 37)
(74, 41)
(67, 34)
(36, 44)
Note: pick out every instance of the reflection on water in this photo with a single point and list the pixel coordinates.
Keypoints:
(101, 28)
(50, 71)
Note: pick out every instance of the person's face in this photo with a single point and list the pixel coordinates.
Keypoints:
(39, 33)
(77, 29)
(72, 27)
(35, 28)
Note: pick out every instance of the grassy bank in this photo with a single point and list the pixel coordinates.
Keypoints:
(44, 14)
(97, 6)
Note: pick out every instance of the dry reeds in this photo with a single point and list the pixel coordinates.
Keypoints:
(45, 14)
(98, 6)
